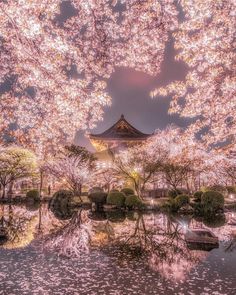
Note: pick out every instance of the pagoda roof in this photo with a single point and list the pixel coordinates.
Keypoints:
(121, 130)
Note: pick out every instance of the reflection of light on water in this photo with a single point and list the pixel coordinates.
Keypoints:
(184, 225)
(231, 196)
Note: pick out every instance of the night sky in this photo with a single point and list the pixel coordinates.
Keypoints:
(130, 94)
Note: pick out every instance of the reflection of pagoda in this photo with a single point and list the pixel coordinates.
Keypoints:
(120, 135)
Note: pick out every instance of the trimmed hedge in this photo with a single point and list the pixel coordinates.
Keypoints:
(171, 206)
(182, 200)
(95, 189)
(212, 201)
(174, 193)
(133, 201)
(98, 197)
(127, 191)
(217, 188)
(116, 198)
(33, 194)
(174, 204)
(197, 196)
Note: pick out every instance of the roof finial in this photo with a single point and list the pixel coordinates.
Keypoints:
(122, 116)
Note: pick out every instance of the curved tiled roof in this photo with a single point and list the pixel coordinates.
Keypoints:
(121, 130)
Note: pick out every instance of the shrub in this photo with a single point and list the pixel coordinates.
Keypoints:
(217, 188)
(198, 208)
(132, 202)
(182, 200)
(174, 204)
(33, 194)
(95, 189)
(127, 191)
(170, 206)
(116, 198)
(197, 196)
(60, 204)
(212, 201)
(62, 195)
(98, 197)
(174, 193)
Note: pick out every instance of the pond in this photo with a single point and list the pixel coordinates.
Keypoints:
(84, 252)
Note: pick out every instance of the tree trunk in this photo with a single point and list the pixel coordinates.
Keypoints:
(10, 190)
(3, 191)
(40, 219)
(41, 184)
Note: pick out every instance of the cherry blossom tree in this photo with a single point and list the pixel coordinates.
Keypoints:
(205, 42)
(225, 169)
(72, 239)
(140, 164)
(58, 69)
(15, 164)
(105, 178)
(72, 172)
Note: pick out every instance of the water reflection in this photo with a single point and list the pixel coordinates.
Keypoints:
(120, 242)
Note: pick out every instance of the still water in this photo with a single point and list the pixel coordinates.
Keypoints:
(81, 252)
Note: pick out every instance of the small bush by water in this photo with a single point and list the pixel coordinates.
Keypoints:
(182, 200)
(95, 189)
(98, 198)
(173, 193)
(197, 196)
(133, 201)
(33, 194)
(175, 204)
(116, 198)
(212, 202)
(127, 191)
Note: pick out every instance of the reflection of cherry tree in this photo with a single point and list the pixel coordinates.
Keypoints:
(72, 239)
(162, 242)
(19, 226)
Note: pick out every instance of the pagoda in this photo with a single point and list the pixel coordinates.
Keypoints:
(121, 135)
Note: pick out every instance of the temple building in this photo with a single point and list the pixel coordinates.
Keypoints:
(119, 136)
